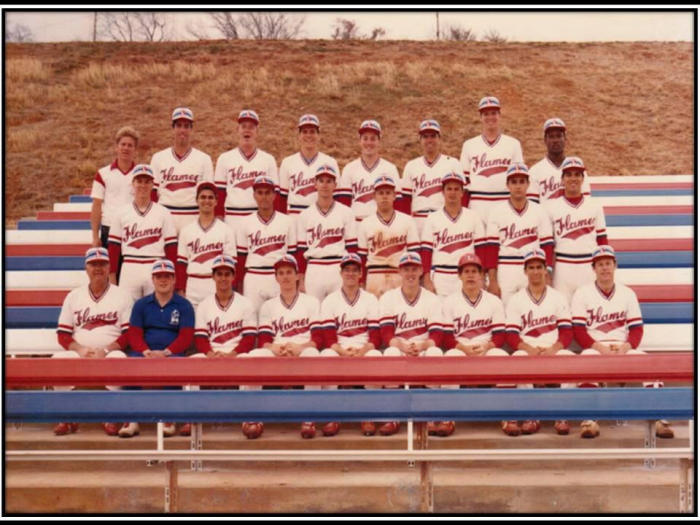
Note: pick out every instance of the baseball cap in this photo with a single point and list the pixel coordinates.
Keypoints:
(517, 168)
(554, 123)
(163, 266)
(572, 163)
(205, 185)
(370, 125)
(248, 114)
(350, 258)
(185, 113)
(142, 170)
(453, 176)
(409, 258)
(384, 181)
(469, 258)
(533, 255)
(224, 261)
(309, 120)
(488, 103)
(286, 259)
(604, 250)
(96, 254)
(429, 125)
(326, 169)
(263, 180)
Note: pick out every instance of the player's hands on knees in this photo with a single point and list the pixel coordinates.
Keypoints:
(603, 348)
(411, 349)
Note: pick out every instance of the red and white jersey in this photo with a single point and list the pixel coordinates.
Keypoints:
(113, 186)
(422, 183)
(235, 173)
(514, 232)
(350, 320)
(326, 235)
(484, 165)
(298, 182)
(576, 228)
(177, 177)
(410, 320)
(143, 236)
(95, 321)
(197, 246)
(547, 179)
(289, 323)
(357, 183)
(447, 238)
(475, 322)
(263, 243)
(606, 317)
(537, 322)
(225, 325)
(383, 242)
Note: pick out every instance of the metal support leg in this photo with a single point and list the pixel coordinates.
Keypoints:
(196, 444)
(650, 442)
(409, 436)
(426, 470)
(686, 486)
(171, 492)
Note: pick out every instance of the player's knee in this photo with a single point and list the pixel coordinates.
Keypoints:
(329, 352)
(392, 351)
(496, 352)
(433, 351)
(67, 354)
(310, 352)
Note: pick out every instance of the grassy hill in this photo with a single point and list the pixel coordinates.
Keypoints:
(628, 106)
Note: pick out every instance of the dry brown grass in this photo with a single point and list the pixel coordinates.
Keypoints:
(629, 106)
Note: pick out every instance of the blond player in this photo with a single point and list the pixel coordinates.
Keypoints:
(355, 189)
(486, 157)
(297, 172)
(178, 170)
(383, 237)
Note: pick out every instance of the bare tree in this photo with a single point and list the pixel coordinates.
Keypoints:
(153, 26)
(197, 31)
(459, 34)
(271, 26)
(227, 24)
(345, 29)
(134, 26)
(494, 37)
(18, 33)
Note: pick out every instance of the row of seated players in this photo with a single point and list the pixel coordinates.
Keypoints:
(568, 231)
(97, 320)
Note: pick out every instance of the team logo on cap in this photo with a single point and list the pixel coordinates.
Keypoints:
(263, 180)
(223, 260)
(163, 266)
(185, 113)
(96, 254)
(489, 102)
(248, 114)
(326, 169)
(409, 258)
(572, 163)
(535, 255)
(384, 181)
(429, 125)
(143, 170)
(371, 125)
(453, 176)
(309, 120)
(554, 123)
(286, 259)
(350, 258)
(517, 168)
(604, 250)
(469, 258)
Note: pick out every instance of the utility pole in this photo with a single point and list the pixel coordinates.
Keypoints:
(94, 27)
(437, 22)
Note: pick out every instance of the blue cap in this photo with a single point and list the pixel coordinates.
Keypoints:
(163, 266)
(351, 258)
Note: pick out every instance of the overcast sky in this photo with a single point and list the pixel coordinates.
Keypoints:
(515, 26)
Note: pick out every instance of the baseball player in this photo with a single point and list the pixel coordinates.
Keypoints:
(93, 323)
(578, 224)
(486, 157)
(355, 188)
(449, 233)
(289, 326)
(538, 322)
(179, 168)
(514, 227)
(545, 175)
(607, 320)
(142, 232)
(422, 177)
(263, 238)
(383, 236)
(199, 243)
(161, 325)
(237, 169)
(297, 172)
(111, 188)
(325, 232)
(410, 319)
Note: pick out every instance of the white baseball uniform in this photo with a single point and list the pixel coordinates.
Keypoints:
(547, 179)
(289, 323)
(113, 186)
(444, 240)
(176, 182)
(260, 244)
(578, 228)
(234, 176)
(196, 250)
(411, 321)
(537, 323)
(484, 165)
(225, 326)
(383, 243)
(298, 182)
(350, 323)
(356, 186)
(473, 323)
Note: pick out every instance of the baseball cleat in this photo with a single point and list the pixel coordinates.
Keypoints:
(445, 428)
(111, 429)
(169, 430)
(65, 428)
(589, 429)
(387, 429)
(331, 429)
(368, 428)
(252, 430)
(562, 427)
(531, 426)
(186, 429)
(663, 429)
(129, 430)
(510, 428)
(308, 429)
